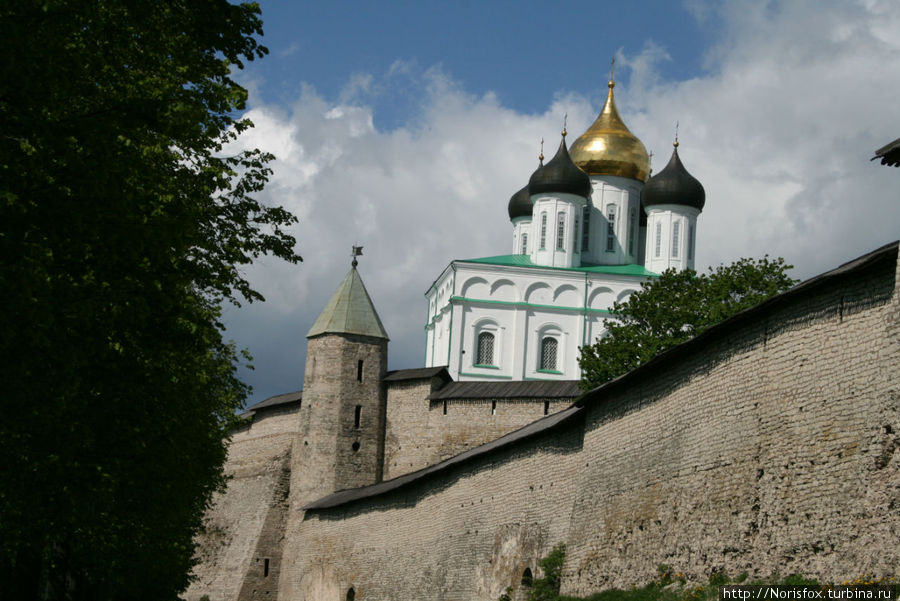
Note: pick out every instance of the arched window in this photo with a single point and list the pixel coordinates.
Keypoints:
(560, 231)
(632, 232)
(577, 235)
(586, 230)
(485, 349)
(351, 594)
(658, 238)
(611, 228)
(548, 353)
(524, 244)
(675, 228)
(543, 231)
(690, 243)
(527, 578)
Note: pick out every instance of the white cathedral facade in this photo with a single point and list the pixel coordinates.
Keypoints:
(588, 228)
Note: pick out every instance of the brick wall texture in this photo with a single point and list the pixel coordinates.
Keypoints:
(769, 446)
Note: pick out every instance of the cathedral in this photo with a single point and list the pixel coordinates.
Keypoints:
(587, 229)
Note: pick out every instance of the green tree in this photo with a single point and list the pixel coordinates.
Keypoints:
(123, 226)
(546, 588)
(675, 307)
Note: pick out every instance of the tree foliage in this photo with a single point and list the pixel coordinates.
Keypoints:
(123, 226)
(675, 307)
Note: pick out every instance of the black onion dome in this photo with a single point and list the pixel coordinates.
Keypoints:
(520, 203)
(560, 175)
(674, 186)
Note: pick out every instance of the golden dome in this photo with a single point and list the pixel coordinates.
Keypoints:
(608, 148)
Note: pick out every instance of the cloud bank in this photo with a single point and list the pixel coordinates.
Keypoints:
(795, 98)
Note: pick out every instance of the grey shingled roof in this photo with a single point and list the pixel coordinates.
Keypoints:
(418, 373)
(532, 429)
(557, 389)
(274, 401)
(350, 311)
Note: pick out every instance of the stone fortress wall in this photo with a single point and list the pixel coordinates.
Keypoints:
(765, 445)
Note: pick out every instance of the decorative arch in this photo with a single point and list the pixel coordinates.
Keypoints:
(504, 290)
(623, 296)
(601, 298)
(539, 293)
(476, 287)
(567, 295)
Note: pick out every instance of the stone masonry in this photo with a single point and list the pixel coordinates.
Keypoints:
(767, 444)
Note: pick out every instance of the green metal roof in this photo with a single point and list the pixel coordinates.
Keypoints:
(525, 261)
(350, 311)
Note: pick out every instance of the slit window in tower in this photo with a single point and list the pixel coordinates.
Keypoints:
(266, 568)
(611, 228)
(586, 230)
(658, 238)
(357, 416)
(524, 244)
(493, 407)
(359, 365)
(632, 232)
(690, 243)
(485, 349)
(675, 228)
(546, 407)
(560, 231)
(543, 231)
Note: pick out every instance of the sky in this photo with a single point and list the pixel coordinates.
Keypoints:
(405, 127)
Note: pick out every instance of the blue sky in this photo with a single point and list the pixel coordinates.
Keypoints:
(406, 126)
(521, 51)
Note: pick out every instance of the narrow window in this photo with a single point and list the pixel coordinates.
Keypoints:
(546, 407)
(356, 417)
(351, 594)
(548, 353)
(611, 228)
(560, 231)
(632, 233)
(527, 578)
(586, 230)
(265, 568)
(577, 235)
(485, 349)
(691, 242)
(524, 244)
(493, 407)
(675, 228)
(445, 407)
(355, 446)
(359, 370)
(543, 231)
(658, 238)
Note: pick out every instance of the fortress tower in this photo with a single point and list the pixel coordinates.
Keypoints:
(342, 420)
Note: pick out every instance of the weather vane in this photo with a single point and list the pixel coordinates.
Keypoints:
(357, 252)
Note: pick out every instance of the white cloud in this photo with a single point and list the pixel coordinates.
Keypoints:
(796, 98)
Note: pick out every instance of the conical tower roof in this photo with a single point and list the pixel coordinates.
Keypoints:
(609, 148)
(350, 311)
